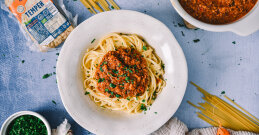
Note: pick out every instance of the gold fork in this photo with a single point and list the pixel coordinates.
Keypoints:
(99, 5)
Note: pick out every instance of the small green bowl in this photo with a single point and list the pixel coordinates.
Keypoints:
(9, 120)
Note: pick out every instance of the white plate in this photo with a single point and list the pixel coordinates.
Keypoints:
(98, 120)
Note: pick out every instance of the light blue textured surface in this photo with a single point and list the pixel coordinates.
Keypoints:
(214, 63)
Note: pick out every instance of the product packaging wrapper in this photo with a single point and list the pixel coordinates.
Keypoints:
(44, 24)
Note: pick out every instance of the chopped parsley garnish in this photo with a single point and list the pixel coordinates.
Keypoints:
(115, 71)
(54, 102)
(223, 92)
(46, 76)
(112, 7)
(143, 100)
(92, 40)
(143, 107)
(128, 98)
(196, 40)
(119, 65)
(130, 70)
(181, 25)
(144, 48)
(117, 95)
(23, 61)
(127, 78)
(112, 85)
(57, 54)
(105, 62)
(234, 42)
(27, 124)
(155, 112)
(163, 66)
(101, 69)
(111, 93)
(182, 33)
(106, 90)
(100, 80)
(86, 93)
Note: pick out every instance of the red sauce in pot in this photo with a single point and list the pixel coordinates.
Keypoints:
(217, 11)
(122, 73)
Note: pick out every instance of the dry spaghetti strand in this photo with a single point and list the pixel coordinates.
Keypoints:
(216, 110)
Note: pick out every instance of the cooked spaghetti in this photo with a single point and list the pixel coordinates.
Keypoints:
(123, 73)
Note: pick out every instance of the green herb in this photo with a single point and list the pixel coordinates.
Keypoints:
(111, 74)
(119, 65)
(42, 59)
(223, 92)
(57, 54)
(92, 40)
(112, 85)
(112, 7)
(163, 66)
(144, 48)
(128, 98)
(101, 69)
(23, 61)
(111, 93)
(118, 99)
(181, 25)
(27, 125)
(155, 112)
(115, 71)
(105, 62)
(196, 40)
(100, 80)
(86, 93)
(54, 102)
(182, 33)
(117, 95)
(143, 100)
(106, 90)
(234, 42)
(127, 78)
(46, 76)
(132, 81)
(143, 107)
(130, 70)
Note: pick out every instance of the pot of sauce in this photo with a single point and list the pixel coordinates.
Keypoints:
(238, 16)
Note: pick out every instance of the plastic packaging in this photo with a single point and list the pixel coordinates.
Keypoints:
(41, 22)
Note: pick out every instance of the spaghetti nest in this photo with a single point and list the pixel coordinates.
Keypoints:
(123, 73)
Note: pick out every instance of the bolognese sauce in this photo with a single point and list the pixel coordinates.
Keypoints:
(122, 73)
(217, 11)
